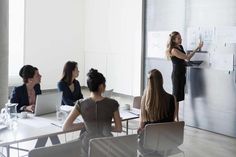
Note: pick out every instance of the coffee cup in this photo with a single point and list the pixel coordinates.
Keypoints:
(23, 114)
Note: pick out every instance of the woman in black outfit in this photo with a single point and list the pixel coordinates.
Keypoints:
(178, 57)
(157, 106)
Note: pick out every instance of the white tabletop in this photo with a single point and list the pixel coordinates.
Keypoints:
(34, 127)
(30, 128)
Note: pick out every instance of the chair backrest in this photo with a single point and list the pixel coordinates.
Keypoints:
(137, 102)
(163, 136)
(70, 149)
(119, 146)
(108, 93)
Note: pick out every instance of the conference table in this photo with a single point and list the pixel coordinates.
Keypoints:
(34, 127)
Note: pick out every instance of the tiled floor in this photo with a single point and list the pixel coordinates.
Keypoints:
(197, 143)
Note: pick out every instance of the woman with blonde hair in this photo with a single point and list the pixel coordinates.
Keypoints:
(157, 106)
(176, 53)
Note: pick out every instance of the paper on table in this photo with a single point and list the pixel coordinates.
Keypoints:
(2, 126)
(66, 108)
(36, 122)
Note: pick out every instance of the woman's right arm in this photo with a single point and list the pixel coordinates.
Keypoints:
(69, 122)
(188, 56)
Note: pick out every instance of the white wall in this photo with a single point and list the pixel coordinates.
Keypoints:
(54, 34)
(113, 42)
(104, 34)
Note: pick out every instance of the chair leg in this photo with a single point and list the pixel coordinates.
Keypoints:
(54, 139)
(41, 142)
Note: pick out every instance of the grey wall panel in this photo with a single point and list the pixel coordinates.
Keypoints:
(211, 100)
(3, 51)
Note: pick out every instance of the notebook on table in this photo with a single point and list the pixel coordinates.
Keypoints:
(47, 103)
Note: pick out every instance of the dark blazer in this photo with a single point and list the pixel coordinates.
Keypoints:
(68, 97)
(19, 95)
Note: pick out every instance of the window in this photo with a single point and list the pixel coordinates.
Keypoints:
(16, 37)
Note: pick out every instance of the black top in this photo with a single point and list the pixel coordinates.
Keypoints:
(20, 95)
(179, 64)
(176, 60)
(97, 118)
(69, 97)
(170, 111)
(169, 118)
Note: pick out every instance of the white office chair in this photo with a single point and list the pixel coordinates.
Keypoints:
(119, 146)
(163, 139)
(70, 149)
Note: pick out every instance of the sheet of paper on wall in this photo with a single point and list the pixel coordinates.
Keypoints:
(226, 34)
(192, 37)
(197, 34)
(222, 61)
(201, 56)
(156, 44)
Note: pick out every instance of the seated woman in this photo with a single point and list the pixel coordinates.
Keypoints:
(157, 106)
(97, 112)
(69, 85)
(25, 95)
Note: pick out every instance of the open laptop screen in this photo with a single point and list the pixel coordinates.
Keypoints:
(47, 103)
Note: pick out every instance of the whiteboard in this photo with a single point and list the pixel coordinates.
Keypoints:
(157, 43)
(222, 62)
(197, 34)
(226, 35)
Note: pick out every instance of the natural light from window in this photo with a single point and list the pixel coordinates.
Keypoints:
(16, 37)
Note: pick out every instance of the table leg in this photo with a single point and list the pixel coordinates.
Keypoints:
(8, 150)
(127, 127)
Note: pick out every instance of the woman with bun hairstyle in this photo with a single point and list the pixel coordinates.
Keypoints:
(25, 95)
(97, 112)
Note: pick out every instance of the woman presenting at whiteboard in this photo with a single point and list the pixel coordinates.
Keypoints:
(178, 57)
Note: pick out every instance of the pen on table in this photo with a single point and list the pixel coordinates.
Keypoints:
(56, 125)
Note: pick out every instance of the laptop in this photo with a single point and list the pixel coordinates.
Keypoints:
(47, 103)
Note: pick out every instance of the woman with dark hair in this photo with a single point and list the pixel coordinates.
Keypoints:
(176, 53)
(157, 106)
(97, 112)
(69, 85)
(25, 95)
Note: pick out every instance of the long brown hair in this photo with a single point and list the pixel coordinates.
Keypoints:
(154, 100)
(67, 71)
(171, 44)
